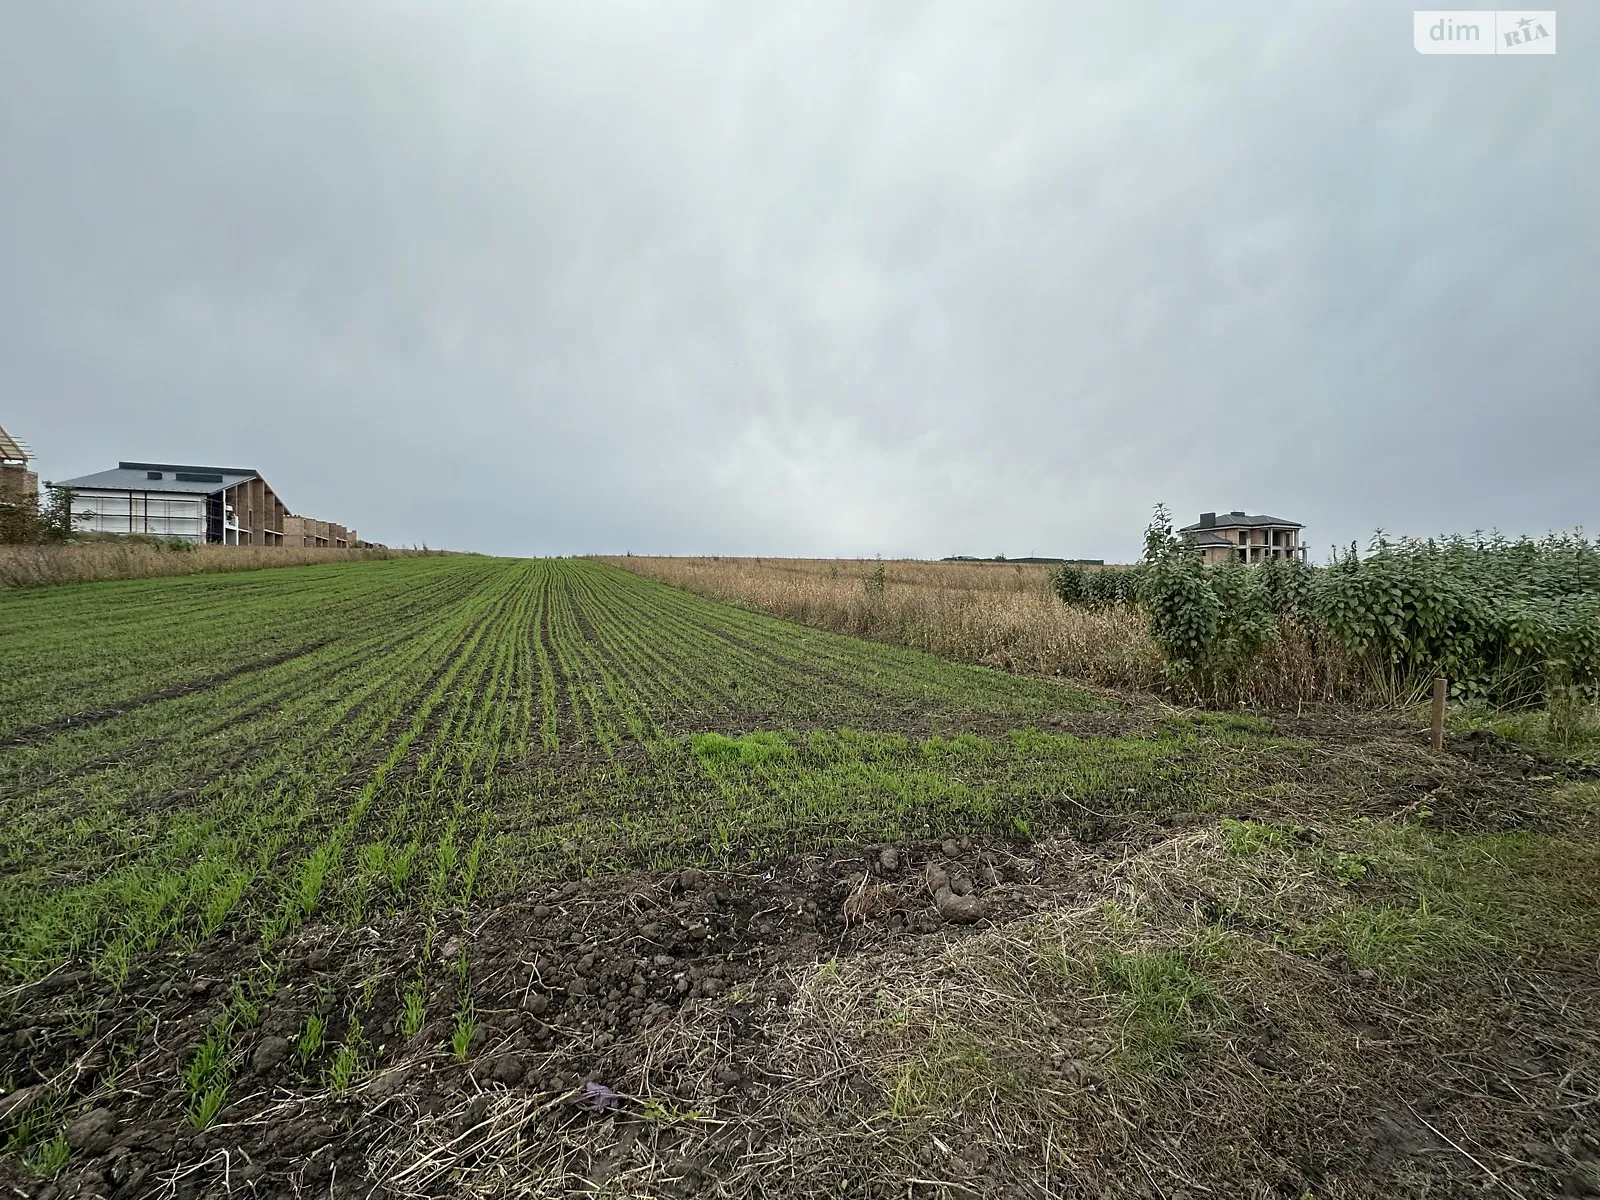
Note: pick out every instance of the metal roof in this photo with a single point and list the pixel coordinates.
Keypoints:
(138, 466)
(135, 477)
(1239, 520)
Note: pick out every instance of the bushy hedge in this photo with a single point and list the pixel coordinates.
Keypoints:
(1096, 587)
(1505, 621)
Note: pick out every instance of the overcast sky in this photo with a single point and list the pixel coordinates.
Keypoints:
(807, 278)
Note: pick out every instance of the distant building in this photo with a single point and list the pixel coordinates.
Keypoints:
(229, 506)
(1030, 559)
(305, 531)
(18, 485)
(1246, 538)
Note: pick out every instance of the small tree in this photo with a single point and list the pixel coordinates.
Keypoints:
(57, 515)
(28, 521)
(1211, 622)
(1182, 608)
(876, 580)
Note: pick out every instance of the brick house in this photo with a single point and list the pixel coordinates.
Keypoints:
(1246, 538)
(308, 531)
(18, 485)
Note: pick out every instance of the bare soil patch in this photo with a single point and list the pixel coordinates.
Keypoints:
(655, 1034)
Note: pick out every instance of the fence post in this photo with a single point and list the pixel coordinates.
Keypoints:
(1440, 688)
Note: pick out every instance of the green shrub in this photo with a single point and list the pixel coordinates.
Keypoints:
(1113, 585)
(1290, 585)
(1069, 582)
(876, 580)
(28, 521)
(1507, 622)
(1183, 608)
(1245, 623)
(1098, 587)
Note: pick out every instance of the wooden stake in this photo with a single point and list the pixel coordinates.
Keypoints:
(1440, 688)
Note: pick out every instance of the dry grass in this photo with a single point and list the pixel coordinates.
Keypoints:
(1037, 1047)
(1123, 1032)
(89, 562)
(997, 615)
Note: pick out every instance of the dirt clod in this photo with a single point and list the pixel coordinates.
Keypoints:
(958, 909)
(15, 1105)
(507, 1070)
(474, 1112)
(92, 1133)
(269, 1054)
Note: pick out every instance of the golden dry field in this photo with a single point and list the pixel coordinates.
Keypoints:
(90, 562)
(1000, 615)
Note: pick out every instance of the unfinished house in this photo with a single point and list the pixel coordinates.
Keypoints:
(18, 484)
(1221, 537)
(230, 506)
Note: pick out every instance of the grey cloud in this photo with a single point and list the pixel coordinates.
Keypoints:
(839, 278)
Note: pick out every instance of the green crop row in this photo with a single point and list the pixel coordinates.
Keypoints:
(441, 725)
(203, 759)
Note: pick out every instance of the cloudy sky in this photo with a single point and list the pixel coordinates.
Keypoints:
(849, 277)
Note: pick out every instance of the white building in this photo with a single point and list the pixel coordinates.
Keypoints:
(224, 505)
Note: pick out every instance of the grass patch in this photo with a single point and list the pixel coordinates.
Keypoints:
(944, 1076)
(1578, 800)
(1165, 1007)
(1398, 943)
(347, 1060)
(1433, 899)
(461, 1036)
(1567, 727)
(1245, 838)
(203, 1109)
(312, 1035)
(1229, 722)
(716, 750)
(47, 1158)
(414, 1010)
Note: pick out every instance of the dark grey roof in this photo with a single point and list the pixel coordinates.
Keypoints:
(138, 466)
(135, 477)
(1209, 537)
(1239, 520)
